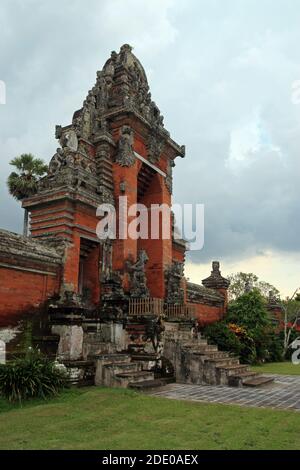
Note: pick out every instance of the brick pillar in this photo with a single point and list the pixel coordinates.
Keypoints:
(159, 251)
(125, 184)
(71, 266)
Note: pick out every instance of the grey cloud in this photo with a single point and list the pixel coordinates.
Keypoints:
(211, 65)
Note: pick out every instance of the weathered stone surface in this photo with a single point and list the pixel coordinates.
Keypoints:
(70, 345)
(125, 154)
(174, 277)
(19, 247)
(138, 275)
(216, 280)
(200, 294)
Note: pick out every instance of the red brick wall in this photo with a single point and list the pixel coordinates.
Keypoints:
(207, 314)
(22, 290)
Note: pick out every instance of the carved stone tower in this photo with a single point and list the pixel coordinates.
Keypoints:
(116, 146)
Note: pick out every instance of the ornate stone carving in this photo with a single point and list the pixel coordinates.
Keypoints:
(67, 138)
(125, 154)
(155, 147)
(112, 297)
(174, 276)
(104, 173)
(138, 275)
(216, 280)
(106, 261)
(169, 177)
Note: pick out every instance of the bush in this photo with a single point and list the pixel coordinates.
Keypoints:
(249, 311)
(35, 376)
(275, 347)
(220, 334)
(258, 345)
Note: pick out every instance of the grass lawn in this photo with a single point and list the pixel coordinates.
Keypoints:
(99, 418)
(282, 368)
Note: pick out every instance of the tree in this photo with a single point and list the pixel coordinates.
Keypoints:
(248, 316)
(239, 280)
(23, 183)
(291, 315)
(249, 310)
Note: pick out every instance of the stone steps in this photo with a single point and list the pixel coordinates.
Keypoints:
(148, 361)
(118, 370)
(217, 355)
(149, 385)
(222, 362)
(202, 349)
(258, 381)
(123, 379)
(239, 379)
(81, 373)
(233, 370)
(204, 363)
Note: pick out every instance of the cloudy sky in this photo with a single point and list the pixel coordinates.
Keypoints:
(225, 75)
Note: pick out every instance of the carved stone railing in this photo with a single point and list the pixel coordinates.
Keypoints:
(181, 311)
(146, 307)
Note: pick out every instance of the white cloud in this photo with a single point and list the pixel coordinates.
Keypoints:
(221, 73)
(247, 141)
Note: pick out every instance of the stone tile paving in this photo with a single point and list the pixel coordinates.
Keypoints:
(284, 393)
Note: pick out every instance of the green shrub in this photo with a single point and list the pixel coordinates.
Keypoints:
(252, 346)
(220, 334)
(249, 311)
(35, 376)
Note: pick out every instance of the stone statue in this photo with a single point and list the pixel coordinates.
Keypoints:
(106, 262)
(174, 276)
(125, 155)
(138, 275)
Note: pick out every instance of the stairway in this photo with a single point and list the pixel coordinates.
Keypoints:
(198, 362)
(118, 370)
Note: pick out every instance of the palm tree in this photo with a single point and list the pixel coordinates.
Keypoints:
(23, 182)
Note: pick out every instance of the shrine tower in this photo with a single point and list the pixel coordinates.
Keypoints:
(116, 146)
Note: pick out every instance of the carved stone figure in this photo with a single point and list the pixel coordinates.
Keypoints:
(55, 163)
(174, 276)
(125, 155)
(106, 262)
(138, 275)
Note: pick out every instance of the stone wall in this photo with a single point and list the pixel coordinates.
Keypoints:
(209, 303)
(29, 275)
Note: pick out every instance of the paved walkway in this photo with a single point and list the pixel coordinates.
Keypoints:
(284, 393)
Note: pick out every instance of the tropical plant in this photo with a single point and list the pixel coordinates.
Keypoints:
(249, 311)
(22, 183)
(220, 334)
(239, 280)
(247, 330)
(34, 376)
